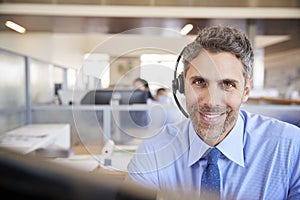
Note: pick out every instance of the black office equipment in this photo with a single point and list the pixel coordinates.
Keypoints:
(57, 86)
(27, 177)
(126, 97)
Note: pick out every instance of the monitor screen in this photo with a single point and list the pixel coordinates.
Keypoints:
(126, 97)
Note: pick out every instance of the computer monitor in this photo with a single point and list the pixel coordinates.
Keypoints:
(131, 119)
(57, 86)
(126, 97)
(28, 177)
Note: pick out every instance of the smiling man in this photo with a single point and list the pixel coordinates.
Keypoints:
(221, 150)
(215, 89)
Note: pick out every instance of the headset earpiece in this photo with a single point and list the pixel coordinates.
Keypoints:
(178, 84)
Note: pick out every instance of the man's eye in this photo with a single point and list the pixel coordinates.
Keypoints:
(228, 85)
(200, 82)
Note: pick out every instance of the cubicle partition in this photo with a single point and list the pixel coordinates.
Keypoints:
(13, 109)
(93, 125)
(24, 81)
(84, 130)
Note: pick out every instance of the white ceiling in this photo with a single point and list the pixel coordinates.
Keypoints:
(192, 3)
(274, 24)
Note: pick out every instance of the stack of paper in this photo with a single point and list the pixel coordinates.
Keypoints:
(34, 136)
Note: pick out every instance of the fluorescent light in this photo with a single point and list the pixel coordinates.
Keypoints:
(186, 29)
(15, 27)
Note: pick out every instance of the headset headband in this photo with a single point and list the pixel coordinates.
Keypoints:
(176, 84)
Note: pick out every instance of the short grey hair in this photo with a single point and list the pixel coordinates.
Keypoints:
(218, 39)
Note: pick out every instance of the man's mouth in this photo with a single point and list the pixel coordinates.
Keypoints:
(211, 117)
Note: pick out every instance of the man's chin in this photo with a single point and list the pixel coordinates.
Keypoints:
(209, 135)
(209, 127)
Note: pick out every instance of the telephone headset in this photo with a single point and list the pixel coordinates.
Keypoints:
(178, 84)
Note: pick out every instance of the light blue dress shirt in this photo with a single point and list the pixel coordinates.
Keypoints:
(260, 159)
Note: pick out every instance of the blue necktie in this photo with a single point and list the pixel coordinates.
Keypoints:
(210, 182)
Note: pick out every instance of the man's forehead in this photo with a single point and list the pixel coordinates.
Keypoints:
(214, 74)
(216, 62)
(196, 74)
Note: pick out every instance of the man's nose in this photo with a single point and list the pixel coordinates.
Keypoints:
(213, 96)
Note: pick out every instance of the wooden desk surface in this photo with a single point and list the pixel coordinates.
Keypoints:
(119, 175)
(116, 174)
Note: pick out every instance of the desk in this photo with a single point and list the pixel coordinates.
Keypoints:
(119, 175)
(86, 162)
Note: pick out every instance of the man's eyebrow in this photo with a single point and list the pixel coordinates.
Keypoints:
(197, 77)
(229, 80)
(221, 80)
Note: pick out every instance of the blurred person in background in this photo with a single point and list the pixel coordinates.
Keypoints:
(142, 84)
(162, 96)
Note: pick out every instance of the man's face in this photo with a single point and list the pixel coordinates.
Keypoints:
(162, 93)
(137, 85)
(215, 89)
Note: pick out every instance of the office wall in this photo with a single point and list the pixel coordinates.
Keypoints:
(283, 71)
(34, 44)
(124, 70)
(44, 46)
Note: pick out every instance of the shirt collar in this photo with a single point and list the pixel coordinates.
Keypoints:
(197, 146)
(236, 154)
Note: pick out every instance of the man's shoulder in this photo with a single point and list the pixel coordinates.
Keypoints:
(168, 135)
(260, 124)
(162, 149)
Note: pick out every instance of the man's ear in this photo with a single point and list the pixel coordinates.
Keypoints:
(248, 87)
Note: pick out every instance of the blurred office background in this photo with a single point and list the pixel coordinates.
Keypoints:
(74, 46)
